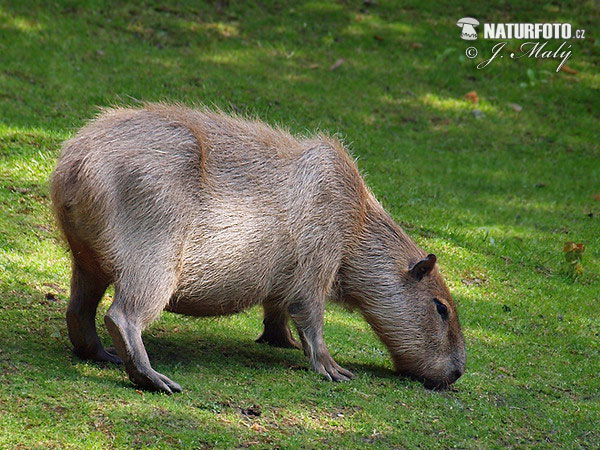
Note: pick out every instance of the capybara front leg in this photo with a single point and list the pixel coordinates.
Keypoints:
(127, 338)
(86, 292)
(277, 332)
(309, 320)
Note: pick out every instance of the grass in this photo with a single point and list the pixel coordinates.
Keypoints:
(495, 197)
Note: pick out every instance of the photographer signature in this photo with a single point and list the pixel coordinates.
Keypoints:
(530, 50)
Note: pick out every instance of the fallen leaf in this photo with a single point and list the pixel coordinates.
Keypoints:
(573, 256)
(472, 97)
(597, 197)
(416, 45)
(378, 38)
(313, 66)
(258, 428)
(567, 69)
(337, 64)
(516, 107)
(573, 248)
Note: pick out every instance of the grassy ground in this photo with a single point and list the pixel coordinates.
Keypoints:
(494, 196)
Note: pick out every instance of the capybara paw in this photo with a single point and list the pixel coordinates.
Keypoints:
(332, 371)
(281, 341)
(100, 354)
(154, 381)
(110, 355)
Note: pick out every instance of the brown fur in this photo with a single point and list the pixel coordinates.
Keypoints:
(205, 214)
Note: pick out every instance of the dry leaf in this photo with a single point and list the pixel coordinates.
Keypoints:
(472, 97)
(416, 45)
(378, 38)
(516, 107)
(337, 64)
(567, 69)
(258, 428)
(313, 66)
(573, 256)
(572, 249)
(597, 197)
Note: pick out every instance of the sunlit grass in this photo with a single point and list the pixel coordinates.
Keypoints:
(18, 23)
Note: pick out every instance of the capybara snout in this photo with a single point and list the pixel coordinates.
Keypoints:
(200, 213)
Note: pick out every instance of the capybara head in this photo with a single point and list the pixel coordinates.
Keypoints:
(428, 343)
(409, 306)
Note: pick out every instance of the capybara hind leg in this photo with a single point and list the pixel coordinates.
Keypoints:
(125, 321)
(276, 330)
(86, 292)
(308, 317)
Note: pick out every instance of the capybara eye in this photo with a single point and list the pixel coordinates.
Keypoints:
(441, 308)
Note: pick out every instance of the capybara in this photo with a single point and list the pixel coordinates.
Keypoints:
(200, 213)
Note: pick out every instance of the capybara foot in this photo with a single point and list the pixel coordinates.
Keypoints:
(99, 354)
(331, 370)
(282, 339)
(154, 381)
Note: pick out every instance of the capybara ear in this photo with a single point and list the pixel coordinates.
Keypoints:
(423, 267)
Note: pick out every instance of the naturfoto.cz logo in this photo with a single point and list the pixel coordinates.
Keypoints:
(525, 31)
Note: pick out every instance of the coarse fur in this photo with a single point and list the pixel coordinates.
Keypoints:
(205, 214)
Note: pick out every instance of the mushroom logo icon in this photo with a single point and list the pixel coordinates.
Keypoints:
(468, 25)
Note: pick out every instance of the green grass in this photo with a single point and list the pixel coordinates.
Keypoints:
(494, 197)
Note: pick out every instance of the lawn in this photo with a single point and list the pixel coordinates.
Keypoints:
(495, 188)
